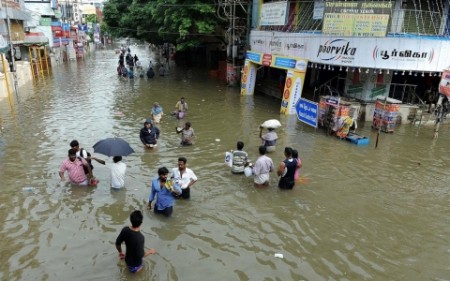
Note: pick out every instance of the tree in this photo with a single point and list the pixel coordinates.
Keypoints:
(185, 23)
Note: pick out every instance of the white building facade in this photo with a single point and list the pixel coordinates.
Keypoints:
(370, 46)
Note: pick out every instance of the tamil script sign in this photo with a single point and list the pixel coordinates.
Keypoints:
(307, 112)
(367, 19)
(274, 13)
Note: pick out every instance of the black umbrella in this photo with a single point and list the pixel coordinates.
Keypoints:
(113, 147)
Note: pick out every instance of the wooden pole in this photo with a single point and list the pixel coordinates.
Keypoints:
(381, 122)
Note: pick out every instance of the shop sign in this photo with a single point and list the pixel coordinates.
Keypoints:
(307, 112)
(301, 65)
(319, 6)
(418, 54)
(364, 18)
(403, 54)
(274, 13)
(282, 62)
(337, 49)
(333, 101)
(275, 46)
(255, 57)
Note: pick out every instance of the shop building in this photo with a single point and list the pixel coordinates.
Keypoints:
(355, 49)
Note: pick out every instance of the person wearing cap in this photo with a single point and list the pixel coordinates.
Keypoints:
(157, 113)
(149, 135)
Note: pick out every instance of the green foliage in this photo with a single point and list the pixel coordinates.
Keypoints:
(92, 18)
(185, 23)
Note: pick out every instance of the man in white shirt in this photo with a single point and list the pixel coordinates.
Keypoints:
(118, 169)
(185, 177)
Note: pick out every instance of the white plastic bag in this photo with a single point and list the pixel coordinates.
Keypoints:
(229, 159)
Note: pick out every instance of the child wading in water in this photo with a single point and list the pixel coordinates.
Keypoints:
(134, 242)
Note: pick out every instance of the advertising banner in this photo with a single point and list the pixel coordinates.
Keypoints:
(444, 85)
(274, 13)
(292, 91)
(418, 54)
(248, 78)
(319, 7)
(368, 19)
(254, 57)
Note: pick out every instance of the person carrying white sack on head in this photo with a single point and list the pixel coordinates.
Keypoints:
(269, 139)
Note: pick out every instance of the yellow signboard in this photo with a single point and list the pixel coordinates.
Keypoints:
(366, 19)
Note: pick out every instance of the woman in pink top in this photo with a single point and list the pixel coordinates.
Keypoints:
(295, 156)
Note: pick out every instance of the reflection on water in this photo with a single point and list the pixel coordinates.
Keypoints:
(359, 213)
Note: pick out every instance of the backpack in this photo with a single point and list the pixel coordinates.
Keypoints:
(86, 171)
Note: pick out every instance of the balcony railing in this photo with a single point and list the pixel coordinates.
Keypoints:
(402, 22)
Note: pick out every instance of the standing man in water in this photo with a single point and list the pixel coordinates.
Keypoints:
(239, 159)
(181, 108)
(75, 167)
(269, 139)
(187, 134)
(263, 166)
(134, 242)
(184, 177)
(286, 170)
(149, 135)
(164, 190)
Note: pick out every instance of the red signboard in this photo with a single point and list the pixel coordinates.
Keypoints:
(267, 59)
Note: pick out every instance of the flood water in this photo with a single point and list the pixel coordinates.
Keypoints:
(359, 213)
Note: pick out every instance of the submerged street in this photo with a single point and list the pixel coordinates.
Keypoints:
(358, 213)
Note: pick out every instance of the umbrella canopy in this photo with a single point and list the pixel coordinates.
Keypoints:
(113, 147)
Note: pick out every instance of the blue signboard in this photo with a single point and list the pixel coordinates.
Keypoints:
(254, 57)
(307, 112)
(284, 62)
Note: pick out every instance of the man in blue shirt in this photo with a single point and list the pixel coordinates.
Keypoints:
(164, 190)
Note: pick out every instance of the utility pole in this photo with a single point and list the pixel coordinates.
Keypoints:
(11, 49)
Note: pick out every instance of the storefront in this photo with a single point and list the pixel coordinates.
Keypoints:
(293, 82)
(367, 67)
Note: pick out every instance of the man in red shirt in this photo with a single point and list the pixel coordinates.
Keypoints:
(74, 167)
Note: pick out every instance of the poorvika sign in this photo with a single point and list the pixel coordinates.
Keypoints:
(418, 54)
(336, 49)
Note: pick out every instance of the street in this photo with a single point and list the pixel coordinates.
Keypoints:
(358, 213)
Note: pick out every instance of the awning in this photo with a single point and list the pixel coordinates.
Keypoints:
(14, 14)
(35, 39)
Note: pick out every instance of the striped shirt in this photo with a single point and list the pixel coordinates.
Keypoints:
(74, 169)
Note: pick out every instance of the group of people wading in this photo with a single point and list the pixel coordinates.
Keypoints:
(129, 66)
